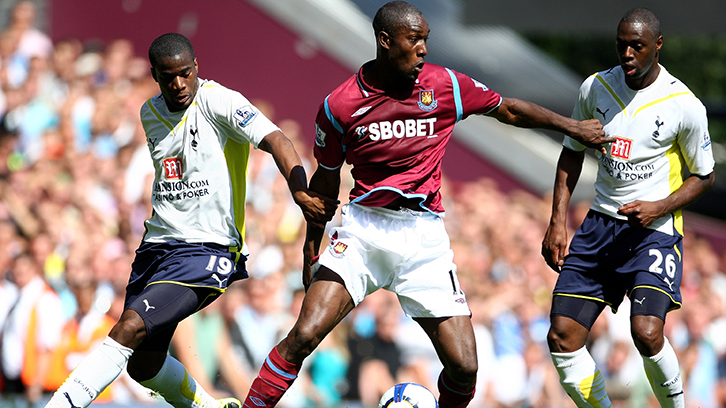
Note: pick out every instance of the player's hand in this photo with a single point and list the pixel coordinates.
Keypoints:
(641, 213)
(554, 246)
(591, 134)
(317, 209)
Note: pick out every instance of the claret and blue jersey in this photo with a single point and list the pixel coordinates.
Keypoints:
(395, 141)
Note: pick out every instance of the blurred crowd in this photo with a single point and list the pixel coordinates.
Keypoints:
(75, 182)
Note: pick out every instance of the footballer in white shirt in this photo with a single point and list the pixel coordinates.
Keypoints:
(630, 243)
(199, 134)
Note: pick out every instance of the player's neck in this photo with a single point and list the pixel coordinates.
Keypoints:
(646, 80)
(384, 78)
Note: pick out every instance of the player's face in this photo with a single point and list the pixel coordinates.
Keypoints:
(638, 54)
(177, 79)
(407, 47)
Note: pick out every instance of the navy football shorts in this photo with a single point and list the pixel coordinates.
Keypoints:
(170, 281)
(609, 259)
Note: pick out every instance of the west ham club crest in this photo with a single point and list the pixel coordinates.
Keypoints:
(426, 101)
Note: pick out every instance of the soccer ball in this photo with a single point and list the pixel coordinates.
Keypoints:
(408, 395)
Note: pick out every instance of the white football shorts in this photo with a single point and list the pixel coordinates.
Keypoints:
(406, 252)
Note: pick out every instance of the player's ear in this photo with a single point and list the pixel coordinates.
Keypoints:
(153, 74)
(384, 39)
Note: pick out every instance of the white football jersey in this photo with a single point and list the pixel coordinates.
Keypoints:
(200, 157)
(659, 130)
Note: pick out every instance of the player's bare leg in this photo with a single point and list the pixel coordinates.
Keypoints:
(566, 335)
(326, 303)
(453, 339)
(578, 372)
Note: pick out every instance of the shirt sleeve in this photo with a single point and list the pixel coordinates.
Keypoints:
(244, 120)
(328, 150)
(475, 97)
(694, 139)
(582, 111)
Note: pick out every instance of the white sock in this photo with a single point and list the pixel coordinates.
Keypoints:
(665, 376)
(581, 378)
(178, 388)
(92, 376)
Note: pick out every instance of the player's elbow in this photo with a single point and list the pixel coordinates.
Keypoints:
(505, 112)
(708, 181)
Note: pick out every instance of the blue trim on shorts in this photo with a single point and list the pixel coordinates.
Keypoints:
(422, 197)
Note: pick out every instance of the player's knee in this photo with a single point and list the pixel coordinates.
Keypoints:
(556, 341)
(303, 339)
(648, 337)
(566, 336)
(130, 330)
(469, 369)
(463, 372)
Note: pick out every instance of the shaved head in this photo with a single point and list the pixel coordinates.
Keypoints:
(169, 45)
(393, 15)
(643, 16)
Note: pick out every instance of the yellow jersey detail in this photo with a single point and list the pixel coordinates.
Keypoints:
(237, 156)
(675, 180)
(647, 105)
(614, 95)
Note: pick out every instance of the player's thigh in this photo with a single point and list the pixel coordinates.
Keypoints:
(657, 267)
(571, 319)
(366, 248)
(454, 341)
(326, 303)
(163, 305)
(582, 310)
(648, 310)
(426, 281)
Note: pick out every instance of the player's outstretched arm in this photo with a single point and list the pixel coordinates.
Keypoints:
(554, 244)
(644, 213)
(525, 114)
(316, 208)
(326, 183)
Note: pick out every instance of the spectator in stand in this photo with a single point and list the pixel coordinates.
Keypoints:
(261, 316)
(700, 361)
(31, 333)
(32, 41)
(85, 331)
(13, 65)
